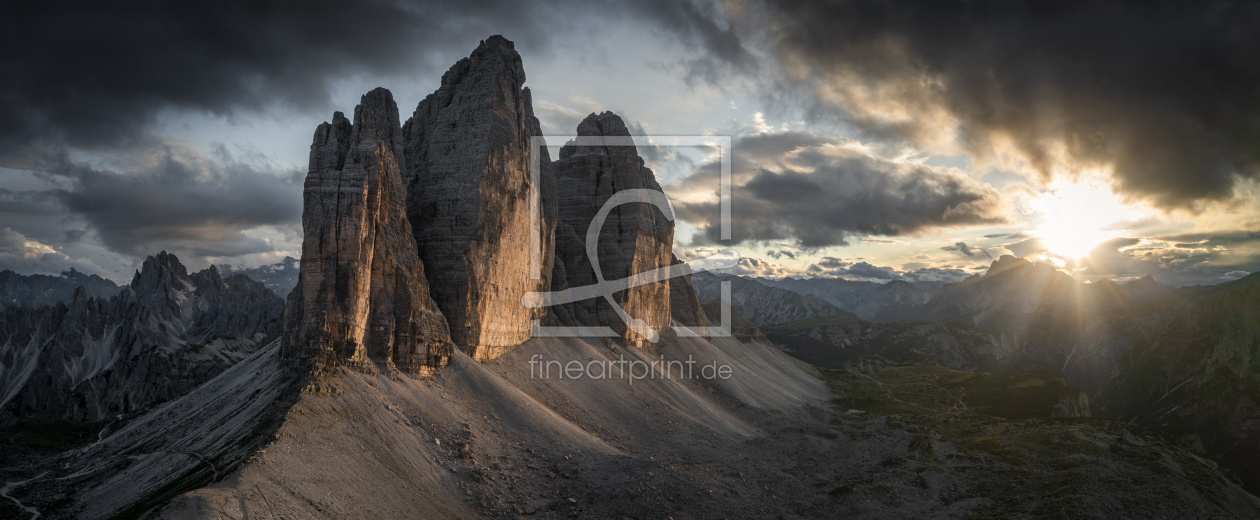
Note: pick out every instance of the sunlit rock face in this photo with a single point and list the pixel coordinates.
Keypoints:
(635, 238)
(468, 199)
(362, 293)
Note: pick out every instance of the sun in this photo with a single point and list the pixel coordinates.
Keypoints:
(1074, 218)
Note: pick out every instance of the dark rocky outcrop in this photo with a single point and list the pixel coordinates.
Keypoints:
(161, 336)
(684, 302)
(468, 199)
(635, 238)
(362, 293)
(1197, 382)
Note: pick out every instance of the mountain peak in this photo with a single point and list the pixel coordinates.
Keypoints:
(605, 123)
(468, 169)
(160, 270)
(362, 294)
(1006, 262)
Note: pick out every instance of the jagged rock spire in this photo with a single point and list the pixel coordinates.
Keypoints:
(362, 293)
(468, 199)
(636, 237)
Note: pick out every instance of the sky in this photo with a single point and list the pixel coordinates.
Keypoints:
(870, 140)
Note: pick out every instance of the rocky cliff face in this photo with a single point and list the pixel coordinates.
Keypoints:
(761, 304)
(162, 335)
(635, 238)
(1197, 382)
(362, 293)
(40, 290)
(684, 302)
(468, 185)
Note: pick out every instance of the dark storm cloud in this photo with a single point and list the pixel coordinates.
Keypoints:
(91, 74)
(818, 198)
(90, 79)
(94, 74)
(1166, 93)
(180, 198)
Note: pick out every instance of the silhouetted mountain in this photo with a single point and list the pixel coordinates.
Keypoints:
(40, 290)
(1197, 382)
(837, 342)
(161, 336)
(865, 300)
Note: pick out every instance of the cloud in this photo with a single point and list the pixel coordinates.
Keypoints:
(26, 256)
(779, 254)
(1161, 93)
(1172, 262)
(969, 251)
(817, 192)
(1027, 247)
(935, 274)
(830, 267)
(177, 197)
(753, 266)
(103, 73)
(1016, 235)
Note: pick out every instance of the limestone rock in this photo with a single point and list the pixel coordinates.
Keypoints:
(362, 293)
(635, 238)
(684, 302)
(468, 199)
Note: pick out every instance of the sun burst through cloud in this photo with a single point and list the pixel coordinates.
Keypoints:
(1076, 217)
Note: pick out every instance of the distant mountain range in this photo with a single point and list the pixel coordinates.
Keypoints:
(1036, 317)
(41, 290)
(162, 335)
(760, 304)
(865, 300)
(280, 277)
(854, 343)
